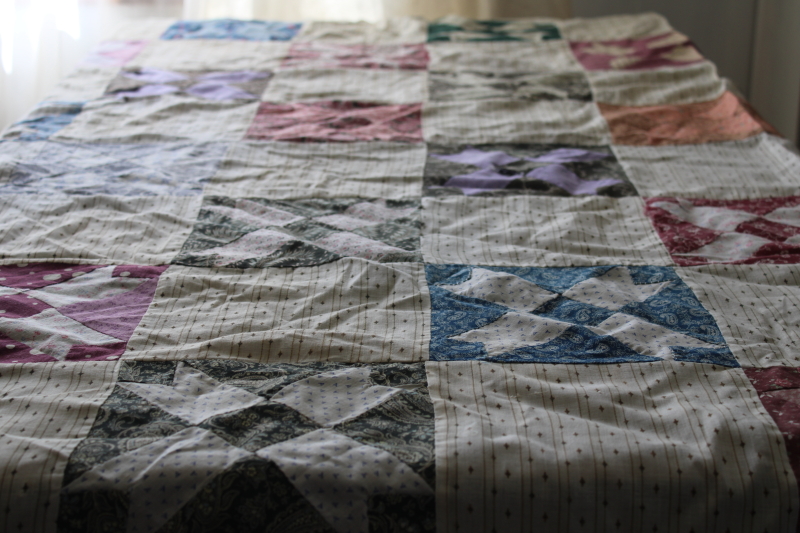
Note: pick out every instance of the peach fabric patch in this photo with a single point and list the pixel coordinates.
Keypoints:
(667, 50)
(722, 119)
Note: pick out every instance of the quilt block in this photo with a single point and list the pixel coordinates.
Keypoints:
(245, 30)
(322, 55)
(667, 50)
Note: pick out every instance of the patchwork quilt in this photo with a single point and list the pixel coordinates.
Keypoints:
(460, 276)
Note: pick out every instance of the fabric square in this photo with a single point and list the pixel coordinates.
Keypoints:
(168, 118)
(244, 30)
(260, 443)
(337, 121)
(680, 85)
(502, 57)
(398, 30)
(83, 84)
(510, 169)
(322, 55)
(46, 120)
(211, 55)
(114, 53)
(514, 121)
(325, 170)
(466, 85)
(614, 27)
(377, 86)
(260, 233)
(95, 229)
(209, 85)
(609, 314)
(755, 307)
(455, 28)
(575, 445)
(700, 231)
(177, 169)
(762, 165)
(722, 119)
(668, 50)
(47, 409)
(532, 230)
(350, 310)
(83, 312)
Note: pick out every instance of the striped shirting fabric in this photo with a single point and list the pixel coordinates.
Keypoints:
(167, 118)
(47, 408)
(539, 231)
(501, 56)
(96, 229)
(366, 85)
(514, 121)
(352, 311)
(664, 446)
(400, 30)
(211, 54)
(684, 85)
(757, 308)
(279, 170)
(733, 170)
(614, 27)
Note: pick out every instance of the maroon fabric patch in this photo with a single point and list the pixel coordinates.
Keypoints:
(679, 237)
(768, 229)
(93, 353)
(20, 306)
(12, 351)
(139, 271)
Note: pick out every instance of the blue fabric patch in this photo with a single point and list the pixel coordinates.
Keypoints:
(567, 310)
(712, 356)
(677, 308)
(576, 345)
(243, 30)
(447, 274)
(452, 314)
(553, 279)
(47, 120)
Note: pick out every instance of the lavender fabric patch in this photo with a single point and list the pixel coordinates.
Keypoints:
(218, 91)
(562, 177)
(147, 90)
(154, 75)
(568, 155)
(242, 76)
(479, 158)
(481, 180)
(208, 85)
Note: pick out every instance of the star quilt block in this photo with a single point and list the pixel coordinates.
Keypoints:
(468, 85)
(259, 233)
(323, 55)
(337, 121)
(608, 314)
(338, 447)
(454, 28)
(668, 50)
(244, 30)
(701, 231)
(536, 169)
(67, 312)
(209, 85)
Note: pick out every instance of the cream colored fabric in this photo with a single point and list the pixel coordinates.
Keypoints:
(350, 310)
(323, 170)
(539, 231)
(45, 409)
(514, 121)
(757, 308)
(148, 29)
(402, 30)
(625, 447)
(166, 118)
(83, 84)
(614, 27)
(751, 168)
(501, 56)
(211, 54)
(370, 85)
(684, 85)
(96, 229)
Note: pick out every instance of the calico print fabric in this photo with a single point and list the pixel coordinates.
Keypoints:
(414, 276)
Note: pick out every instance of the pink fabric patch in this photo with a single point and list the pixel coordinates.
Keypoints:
(682, 238)
(12, 351)
(325, 55)
(114, 53)
(337, 121)
(778, 387)
(667, 50)
(20, 306)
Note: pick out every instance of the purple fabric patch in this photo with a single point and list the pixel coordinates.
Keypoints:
(241, 76)
(89, 352)
(12, 351)
(138, 271)
(38, 275)
(147, 90)
(562, 177)
(568, 155)
(217, 91)
(116, 316)
(154, 75)
(479, 158)
(480, 180)
(20, 306)
(114, 53)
